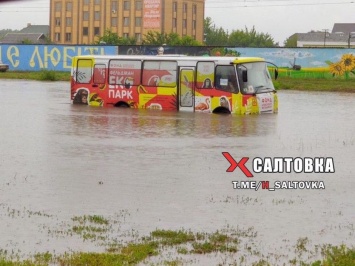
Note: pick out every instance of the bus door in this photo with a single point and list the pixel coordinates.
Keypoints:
(186, 92)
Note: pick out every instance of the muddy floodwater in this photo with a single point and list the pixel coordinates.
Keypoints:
(148, 170)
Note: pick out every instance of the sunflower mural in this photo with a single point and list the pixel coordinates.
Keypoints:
(345, 66)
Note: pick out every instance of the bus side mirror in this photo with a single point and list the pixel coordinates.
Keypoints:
(276, 73)
(245, 75)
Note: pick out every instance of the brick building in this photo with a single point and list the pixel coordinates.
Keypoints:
(81, 21)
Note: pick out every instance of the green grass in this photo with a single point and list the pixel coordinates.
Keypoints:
(315, 84)
(169, 237)
(337, 256)
(96, 219)
(183, 243)
(134, 253)
(90, 227)
(131, 254)
(43, 75)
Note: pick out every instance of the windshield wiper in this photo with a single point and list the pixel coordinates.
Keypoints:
(257, 88)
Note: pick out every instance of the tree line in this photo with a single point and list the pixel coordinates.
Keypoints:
(213, 36)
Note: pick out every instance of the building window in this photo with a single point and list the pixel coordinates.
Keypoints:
(96, 31)
(125, 21)
(114, 7)
(194, 9)
(69, 6)
(114, 22)
(97, 2)
(175, 7)
(138, 21)
(86, 2)
(184, 8)
(194, 24)
(126, 35)
(86, 15)
(184, 23)
(69, 21)
(57, 21)
(85, 31)
(58, 7)
(174, 22)
(126, 5)
(57, 37)
(97, 15)
(139, 5)
(68, 37)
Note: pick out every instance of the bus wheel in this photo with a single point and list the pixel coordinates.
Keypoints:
(122, 104)
(221, 110)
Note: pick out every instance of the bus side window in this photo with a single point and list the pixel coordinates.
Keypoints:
(99, 74)
(226, 78)
(159, 73)
(205, 75)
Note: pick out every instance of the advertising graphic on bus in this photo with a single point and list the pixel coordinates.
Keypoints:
(237, 85)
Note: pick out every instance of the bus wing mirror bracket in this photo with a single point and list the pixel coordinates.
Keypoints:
(276, 72)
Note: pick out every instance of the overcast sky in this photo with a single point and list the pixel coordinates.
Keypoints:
(279, 18)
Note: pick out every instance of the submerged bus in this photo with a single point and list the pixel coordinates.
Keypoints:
(237, 85)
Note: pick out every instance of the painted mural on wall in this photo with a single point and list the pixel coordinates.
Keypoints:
(344, 67)
(153, 50)
(292, 60)
(308, 62)
(51, 57)
(304, 57)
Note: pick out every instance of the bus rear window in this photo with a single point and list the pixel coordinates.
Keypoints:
(159, 73)
(83, 73)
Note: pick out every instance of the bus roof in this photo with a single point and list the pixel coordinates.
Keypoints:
(182, 58)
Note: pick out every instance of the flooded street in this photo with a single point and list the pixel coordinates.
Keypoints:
(149, 170)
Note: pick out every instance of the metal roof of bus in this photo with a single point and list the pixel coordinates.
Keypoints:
(179, 57)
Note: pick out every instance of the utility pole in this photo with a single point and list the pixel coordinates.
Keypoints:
(325, 35)
(351, 35)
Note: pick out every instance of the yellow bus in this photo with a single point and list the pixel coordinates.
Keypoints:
(236, 85)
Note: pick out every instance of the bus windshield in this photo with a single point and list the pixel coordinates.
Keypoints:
(254, 78)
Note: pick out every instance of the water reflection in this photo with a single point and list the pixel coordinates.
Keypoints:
(112, 123)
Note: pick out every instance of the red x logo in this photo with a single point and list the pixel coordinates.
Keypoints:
(235, 164)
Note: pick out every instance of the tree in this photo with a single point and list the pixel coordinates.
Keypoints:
(244, 38)
(189, 41)
(157, 38)
(172, 39)
(112, 38)
(5, 31)
(26, 41)
(291, 41)
(214, 36)
(250, 38)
